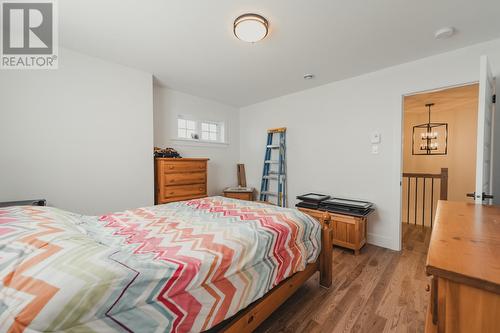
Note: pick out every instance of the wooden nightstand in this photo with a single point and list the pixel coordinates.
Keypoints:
(241, 193)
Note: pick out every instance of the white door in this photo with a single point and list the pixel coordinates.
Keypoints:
(486, 110)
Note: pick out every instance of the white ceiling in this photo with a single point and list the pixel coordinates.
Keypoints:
(188, 45)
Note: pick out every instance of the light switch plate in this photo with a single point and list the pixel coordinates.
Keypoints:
(376, 137)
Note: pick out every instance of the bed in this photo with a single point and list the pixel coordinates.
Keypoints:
(206, 264)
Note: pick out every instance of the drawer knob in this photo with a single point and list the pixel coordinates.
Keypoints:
(171, 167)
(427, 288)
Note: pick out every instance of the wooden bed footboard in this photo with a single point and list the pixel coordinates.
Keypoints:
(325, 258)
(250, 318)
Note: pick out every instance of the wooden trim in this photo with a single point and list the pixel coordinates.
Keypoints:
(276, 130)
(249, 319)
(453, 276)
(421, 175)
(325, 259)
(444, 184)
(434, 300)
(181, 198)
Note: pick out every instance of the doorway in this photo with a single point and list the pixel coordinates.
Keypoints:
(439, 152)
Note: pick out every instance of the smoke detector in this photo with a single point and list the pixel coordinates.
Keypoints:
(444, 33)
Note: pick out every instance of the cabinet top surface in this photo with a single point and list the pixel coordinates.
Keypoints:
(181, 159)
(465, 244)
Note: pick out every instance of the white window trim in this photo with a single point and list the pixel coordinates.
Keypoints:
(200, 142)
(186, 128)
(221, 129)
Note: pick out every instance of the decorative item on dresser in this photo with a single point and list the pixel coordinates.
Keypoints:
(464, 262)
(166, 152)
(348, 218)
(178, 179)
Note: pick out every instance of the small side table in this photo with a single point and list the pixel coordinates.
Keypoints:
(241, 193)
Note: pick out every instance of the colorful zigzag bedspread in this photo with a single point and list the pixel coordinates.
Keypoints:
(179, 267)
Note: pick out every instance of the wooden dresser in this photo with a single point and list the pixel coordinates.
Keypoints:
(464, 262)
(348, 231)
(178, 179)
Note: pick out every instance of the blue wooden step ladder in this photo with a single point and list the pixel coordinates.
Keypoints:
(273, 183)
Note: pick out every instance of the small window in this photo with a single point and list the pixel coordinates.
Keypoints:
(210, 131)
(186, 129)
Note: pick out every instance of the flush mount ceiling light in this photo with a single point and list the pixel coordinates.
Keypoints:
(250, 28)
(444, 33)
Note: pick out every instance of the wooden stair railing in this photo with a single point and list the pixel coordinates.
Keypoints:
(443, 192)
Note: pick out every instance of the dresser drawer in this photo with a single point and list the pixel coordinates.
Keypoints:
(185, 178)
(184, 166)
(183, 190)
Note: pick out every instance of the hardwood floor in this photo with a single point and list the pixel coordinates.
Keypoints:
(378, 291)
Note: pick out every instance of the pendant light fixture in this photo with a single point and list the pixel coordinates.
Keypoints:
(430, 138)
(250, 28)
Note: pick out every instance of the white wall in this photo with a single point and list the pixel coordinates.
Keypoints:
(80, 136)
(329, 128)
(496, 153)
(223, 157)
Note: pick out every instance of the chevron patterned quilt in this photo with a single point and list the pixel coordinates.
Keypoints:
(179, 267)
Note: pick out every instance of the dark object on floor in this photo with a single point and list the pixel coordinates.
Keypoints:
(37, 202)
(166, 152)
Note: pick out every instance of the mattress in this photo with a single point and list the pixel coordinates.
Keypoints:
(179, 267)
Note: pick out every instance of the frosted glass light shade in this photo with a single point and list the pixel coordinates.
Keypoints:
(250, 28)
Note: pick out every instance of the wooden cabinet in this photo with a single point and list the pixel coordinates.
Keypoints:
(178, 179)
(240, 194)
(348, 231)
(464, 262)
